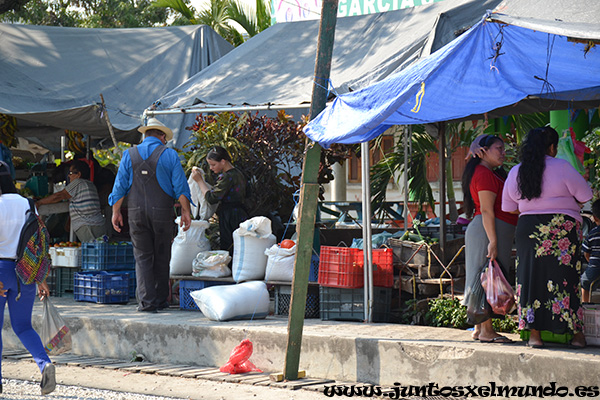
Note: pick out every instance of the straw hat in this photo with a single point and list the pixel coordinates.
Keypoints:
(153, 123)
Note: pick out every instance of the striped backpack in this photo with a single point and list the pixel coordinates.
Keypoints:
(33, 258)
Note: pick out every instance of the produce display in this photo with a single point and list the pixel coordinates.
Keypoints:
(67, 244)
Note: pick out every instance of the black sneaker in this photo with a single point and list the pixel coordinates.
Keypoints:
(48, 379)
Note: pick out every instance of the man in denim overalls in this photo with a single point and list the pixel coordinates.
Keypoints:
(151, 176)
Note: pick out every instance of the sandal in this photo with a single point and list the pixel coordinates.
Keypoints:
(498, 339)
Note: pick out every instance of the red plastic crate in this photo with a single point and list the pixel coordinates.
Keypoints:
(338, 267)
(343, 267)
(383, 267)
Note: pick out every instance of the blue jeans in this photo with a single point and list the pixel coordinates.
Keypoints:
(20, 313)
(590, 276)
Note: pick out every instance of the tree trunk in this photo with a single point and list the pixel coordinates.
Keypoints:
(452, 209)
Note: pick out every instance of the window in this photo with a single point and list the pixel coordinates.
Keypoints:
(376, 154)
(458, 165)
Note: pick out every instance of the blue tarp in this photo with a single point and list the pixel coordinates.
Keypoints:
(493, 65)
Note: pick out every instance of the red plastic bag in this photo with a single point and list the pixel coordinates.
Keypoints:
(238, 359)
(499, 293)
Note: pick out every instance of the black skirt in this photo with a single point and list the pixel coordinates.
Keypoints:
(230, 218)
(548, 273)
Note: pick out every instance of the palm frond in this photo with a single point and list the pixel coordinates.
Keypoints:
(176, 5)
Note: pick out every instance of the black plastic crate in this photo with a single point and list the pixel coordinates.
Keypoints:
(348, 304)
(61, 281)
(283, 300)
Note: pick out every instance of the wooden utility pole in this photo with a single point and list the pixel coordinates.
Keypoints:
(309, 193)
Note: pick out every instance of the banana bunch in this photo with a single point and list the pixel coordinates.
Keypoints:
(8, 128)
(75, 142)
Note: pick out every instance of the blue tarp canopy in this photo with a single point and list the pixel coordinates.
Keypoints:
(506, 64)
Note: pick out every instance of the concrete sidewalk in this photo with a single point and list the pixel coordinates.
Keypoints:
(377, 353)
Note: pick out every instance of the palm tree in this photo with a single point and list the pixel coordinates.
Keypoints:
(422, 143)
(221, 13)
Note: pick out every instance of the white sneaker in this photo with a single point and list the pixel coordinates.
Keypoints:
(48, 383)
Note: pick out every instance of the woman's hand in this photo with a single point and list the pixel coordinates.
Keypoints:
(2, 290)
(197, 174)
(43, 290)
(492, 251)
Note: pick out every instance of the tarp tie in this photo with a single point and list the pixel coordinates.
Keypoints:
(330, 88)
(497, 48)
(547, 87)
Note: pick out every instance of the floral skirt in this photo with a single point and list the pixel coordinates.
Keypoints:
(548, 273)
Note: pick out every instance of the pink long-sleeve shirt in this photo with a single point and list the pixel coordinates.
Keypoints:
(562, 188)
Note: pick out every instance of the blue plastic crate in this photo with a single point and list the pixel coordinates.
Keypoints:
(313, 274)
(100, 256)
(101, 287)
(132, 281)
(186, 302)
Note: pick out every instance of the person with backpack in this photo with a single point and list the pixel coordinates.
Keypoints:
(19, 296)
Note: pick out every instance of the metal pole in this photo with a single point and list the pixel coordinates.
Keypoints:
(406, 137)
(366, 220)
(203, 110)
(442, 152)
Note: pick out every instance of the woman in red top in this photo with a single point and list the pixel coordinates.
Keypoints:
(491, 232)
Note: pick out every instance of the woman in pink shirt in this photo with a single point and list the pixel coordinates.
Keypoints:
(490, 234)
(547, 193)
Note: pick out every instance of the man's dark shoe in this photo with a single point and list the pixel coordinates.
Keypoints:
(164, 306)
(147, 309)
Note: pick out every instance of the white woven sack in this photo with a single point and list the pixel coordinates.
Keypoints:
(226, 302)
(211, 264)
(186, 247)
(250, 241)
(280, 263)
(204, 210)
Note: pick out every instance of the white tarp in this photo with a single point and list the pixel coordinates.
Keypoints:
(51, 77)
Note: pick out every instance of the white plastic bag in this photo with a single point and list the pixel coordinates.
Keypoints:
(187, 245)
(280, 263)
(212, 264)
(55, 335)
(226, 302)
(250, 241)
(204, 210)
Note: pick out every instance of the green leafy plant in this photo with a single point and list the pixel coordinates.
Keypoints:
(448, 312)
(111, 156)
(269, 151)
(508, 324)
(592, 141)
